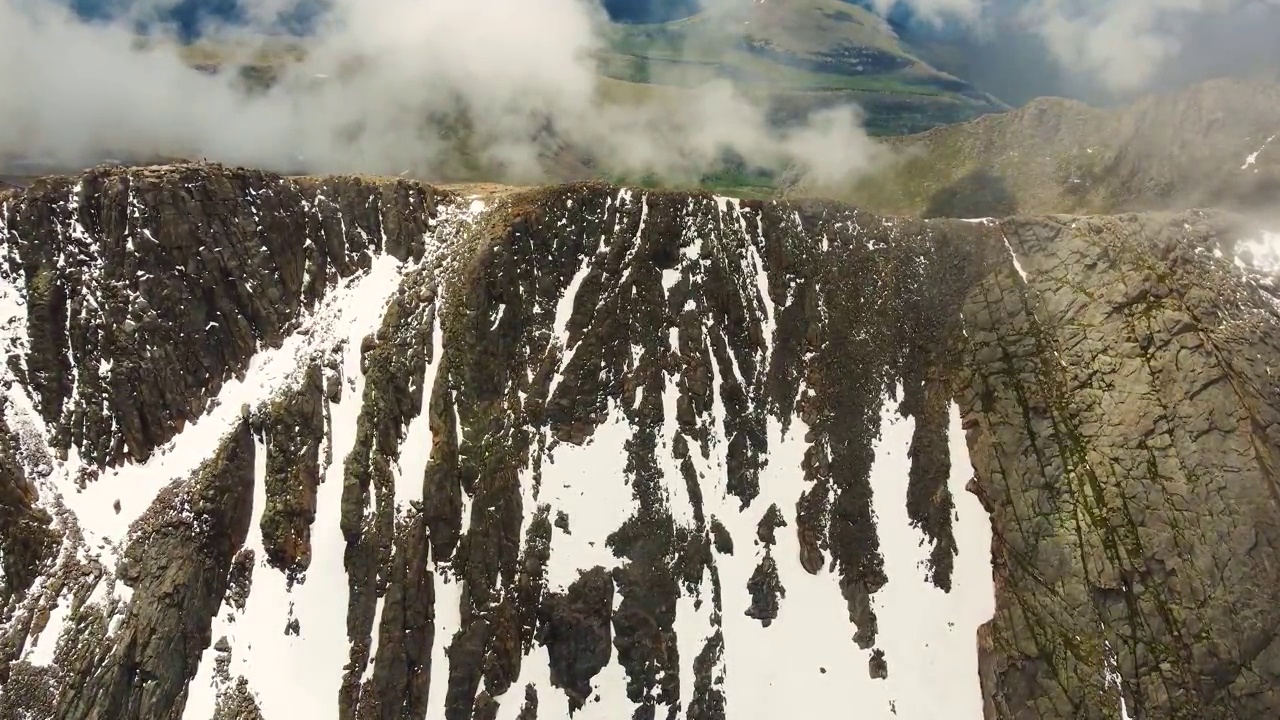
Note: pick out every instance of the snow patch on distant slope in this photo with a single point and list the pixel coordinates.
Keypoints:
(1252, 159)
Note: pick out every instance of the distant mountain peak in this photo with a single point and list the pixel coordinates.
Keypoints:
(1163, 151)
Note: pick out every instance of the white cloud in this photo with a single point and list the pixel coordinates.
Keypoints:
(1120, 47)
(1123, 44)
(74, 91)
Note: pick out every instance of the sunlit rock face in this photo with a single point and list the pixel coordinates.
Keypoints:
(353, 448)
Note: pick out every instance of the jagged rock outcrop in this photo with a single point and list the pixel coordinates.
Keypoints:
(618, 454)
(169, 281)
(295, 430)
(26, 534)
(177, 562)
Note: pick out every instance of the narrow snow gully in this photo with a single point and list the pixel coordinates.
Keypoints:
(733, 618)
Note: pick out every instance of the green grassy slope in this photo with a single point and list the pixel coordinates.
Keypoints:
(802, 54)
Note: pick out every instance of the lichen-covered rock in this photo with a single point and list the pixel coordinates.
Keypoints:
(295, 430)
(1123, 423)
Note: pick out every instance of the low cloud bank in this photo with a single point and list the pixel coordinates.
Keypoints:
(386, 86)
(1102, 51)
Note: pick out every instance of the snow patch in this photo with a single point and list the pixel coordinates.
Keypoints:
(1014, 257)
(448, 619)
(105, 507)
(589, 484)
(40, 651)
(694, 625)
(564, 311)
(1114, 681)
(805, 664)
(929, 637)
(1261, 254)
(535, 670)
(1252, 159)
(356, 305)
(284, 669)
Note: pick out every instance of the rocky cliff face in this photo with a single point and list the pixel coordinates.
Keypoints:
(356, 448)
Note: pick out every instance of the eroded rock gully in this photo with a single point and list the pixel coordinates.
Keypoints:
(1113, 376)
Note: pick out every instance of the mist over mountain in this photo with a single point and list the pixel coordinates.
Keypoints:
(1100, 51)
(191, 19)
(431, 89)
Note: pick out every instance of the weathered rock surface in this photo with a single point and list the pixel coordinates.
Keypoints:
(431, 382)
(169, 280)
(1123, 423)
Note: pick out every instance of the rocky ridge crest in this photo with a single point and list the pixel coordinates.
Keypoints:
(1215, 144)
